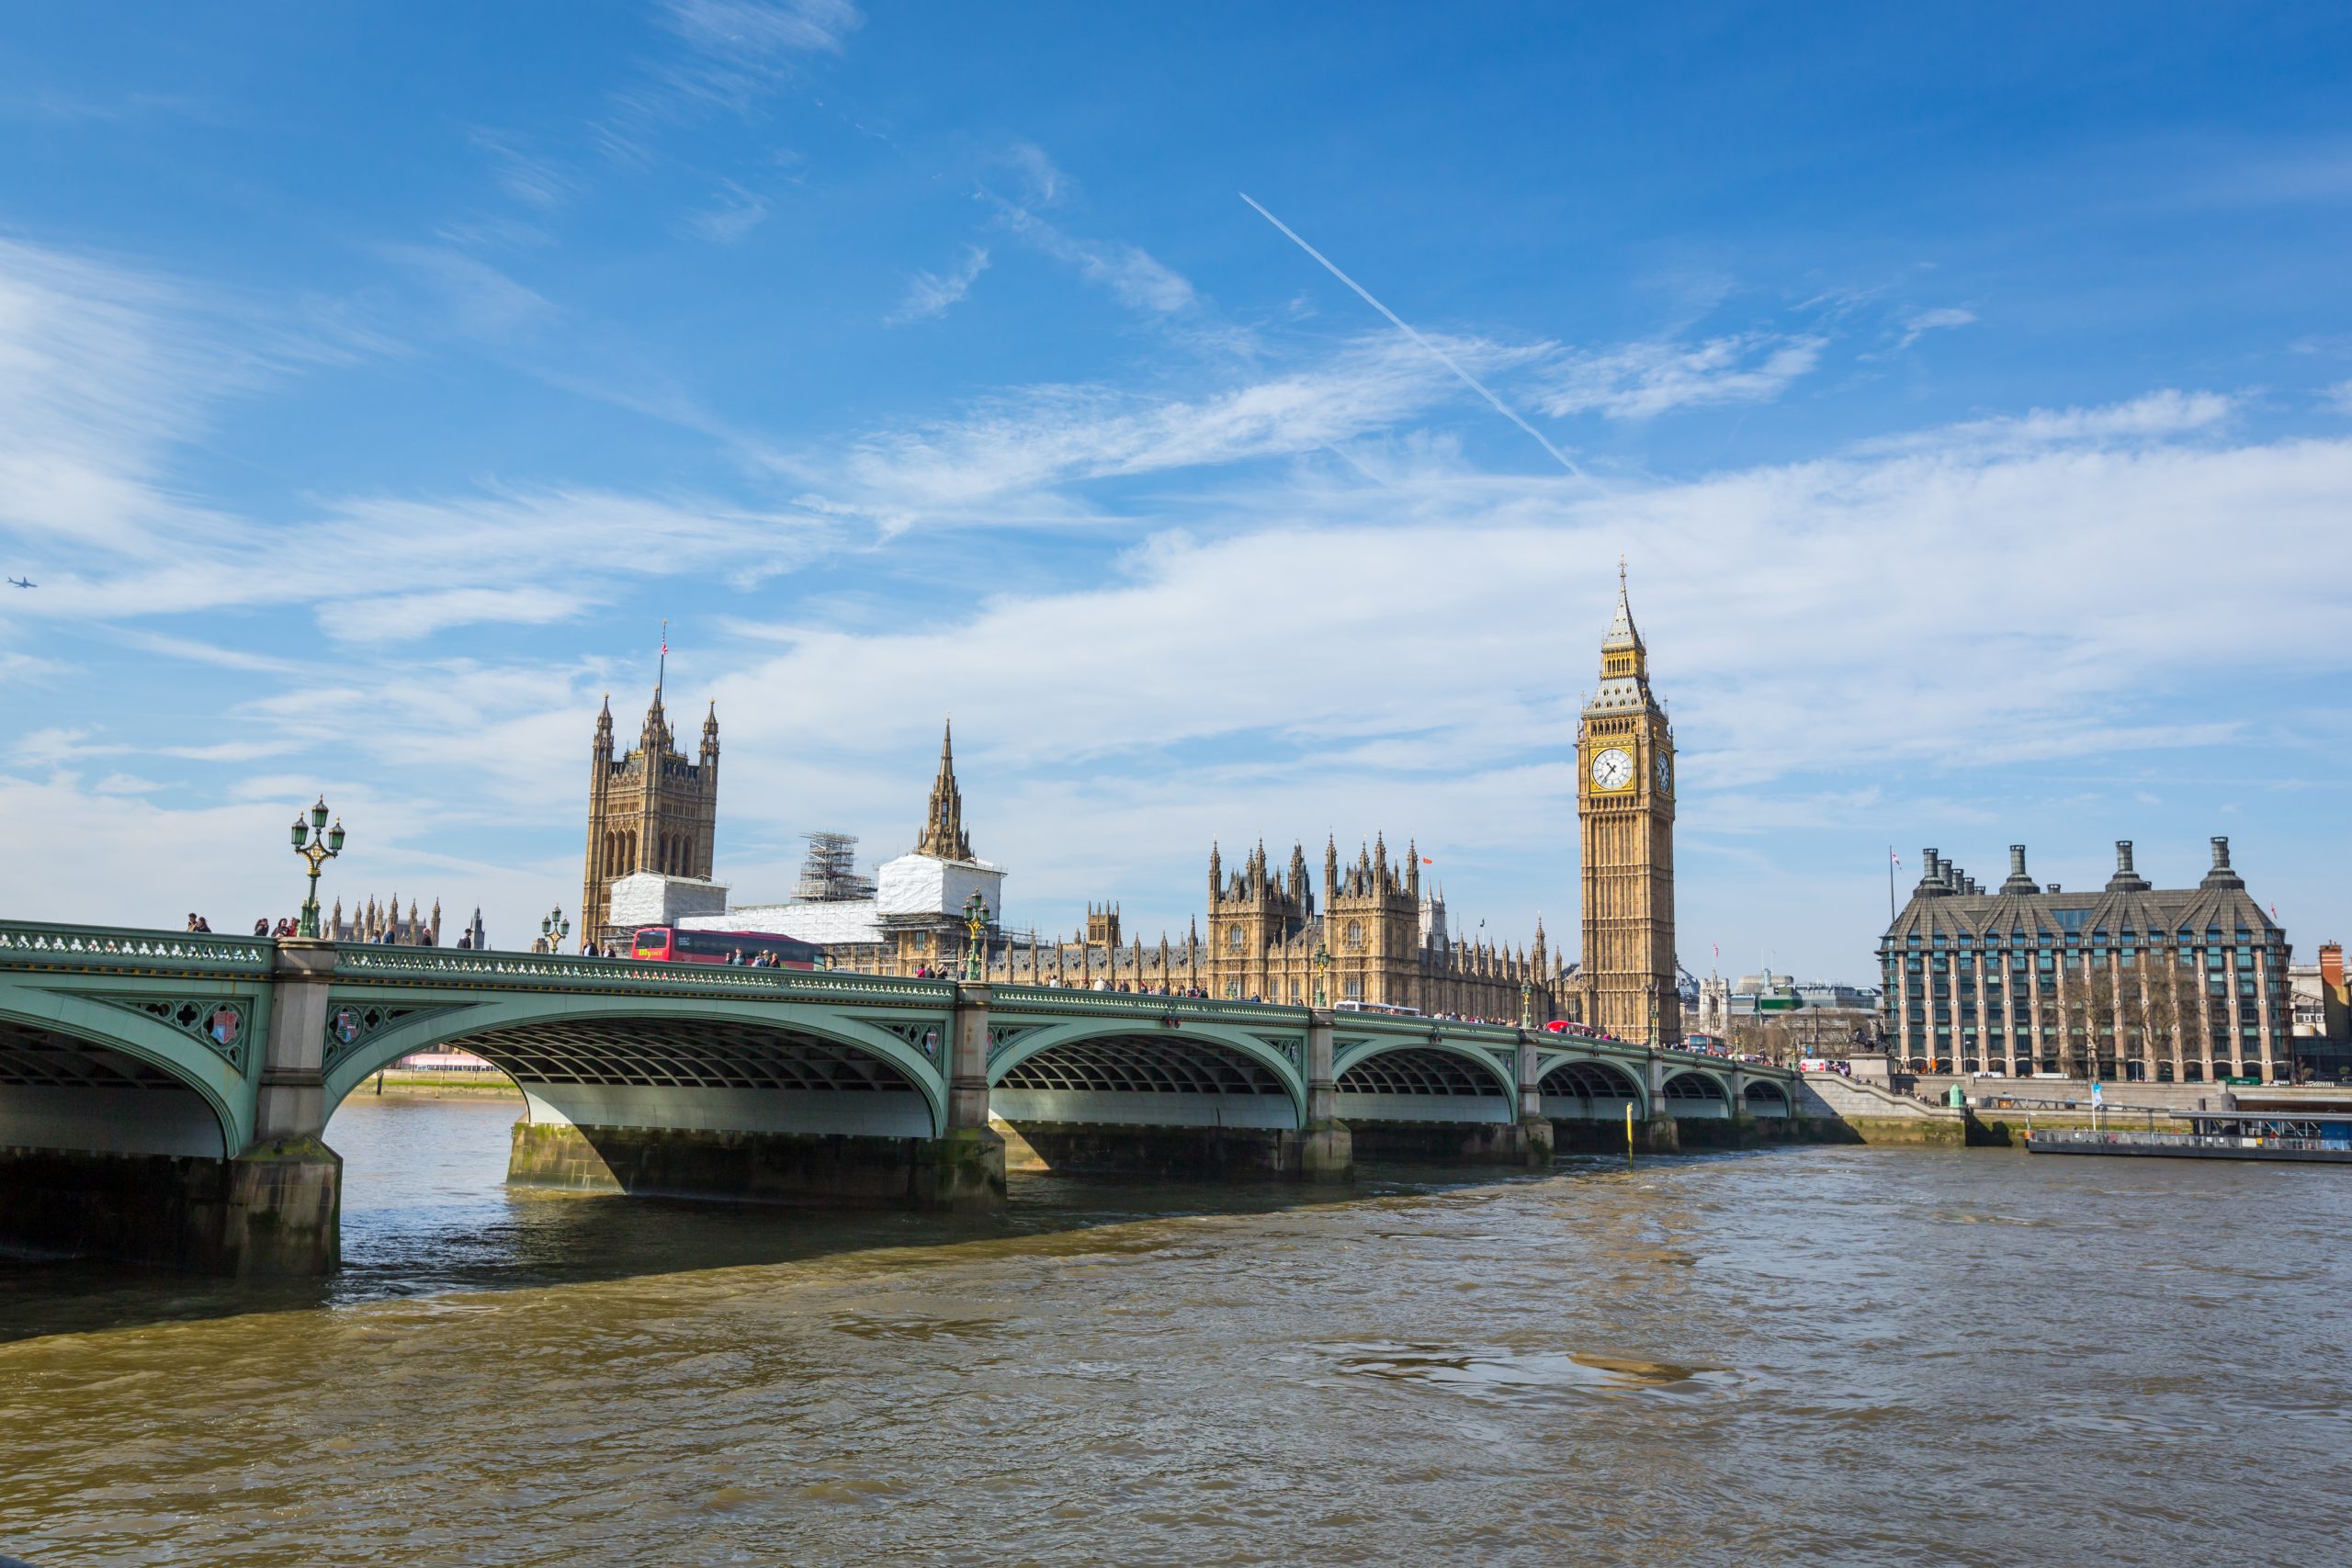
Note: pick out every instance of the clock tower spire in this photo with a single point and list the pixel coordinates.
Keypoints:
(1625, 783)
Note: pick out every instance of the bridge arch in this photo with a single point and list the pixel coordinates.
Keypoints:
(67, 1062)
(680, 1062)
(1695, 1092)
(1111, 1070)
(1763, 1096)
(1430, 1076)
(1592, 1088)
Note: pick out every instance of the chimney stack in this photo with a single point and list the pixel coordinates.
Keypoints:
(2125, 880)
(2222, 875)
(2018, 881)
(2331, 965)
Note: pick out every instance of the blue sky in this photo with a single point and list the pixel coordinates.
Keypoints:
(1972, 398)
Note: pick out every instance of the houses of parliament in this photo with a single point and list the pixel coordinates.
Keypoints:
(1365, 932)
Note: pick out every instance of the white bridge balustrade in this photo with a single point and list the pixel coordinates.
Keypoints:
(166, 1096)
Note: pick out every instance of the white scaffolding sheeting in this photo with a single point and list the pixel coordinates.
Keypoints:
(925, 885)
(646, 898)
(833, 924)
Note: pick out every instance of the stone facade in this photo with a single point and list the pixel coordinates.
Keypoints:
(649, 809)
(1625, 783)
(384, 923)
(1385, 944)
(2128, 982)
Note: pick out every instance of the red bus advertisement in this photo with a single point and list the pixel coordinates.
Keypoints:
(667, 944)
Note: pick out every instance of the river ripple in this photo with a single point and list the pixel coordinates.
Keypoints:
(1836, 1356)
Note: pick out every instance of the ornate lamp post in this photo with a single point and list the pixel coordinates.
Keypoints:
(1322, 962)
(976, 927)
(553, 929)
(317, 843)
(1527, 1004)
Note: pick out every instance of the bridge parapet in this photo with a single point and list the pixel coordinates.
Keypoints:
(33, 945)
(527, 971)
(1138, 1004)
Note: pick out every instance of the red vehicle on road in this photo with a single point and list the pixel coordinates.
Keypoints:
(668, 944)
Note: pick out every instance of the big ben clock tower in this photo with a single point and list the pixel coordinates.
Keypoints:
(1626, 807)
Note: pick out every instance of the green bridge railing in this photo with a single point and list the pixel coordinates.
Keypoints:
(533, 971)
(30, 945)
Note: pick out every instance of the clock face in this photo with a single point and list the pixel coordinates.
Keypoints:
(1613, 769)
(1665, 771)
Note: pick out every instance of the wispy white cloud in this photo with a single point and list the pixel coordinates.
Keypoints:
(1025, 446)
(1644, 380)
(1042, 182)
(104, 374)
(757, 31)
(1921, 322)
(734, 213)
(933, 293)
(1131, 275)
(2338, 396)
(476, 298)
(735, 53)
(529, 176)
(2153, 416)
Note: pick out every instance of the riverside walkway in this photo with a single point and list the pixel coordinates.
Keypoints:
(165, 1096)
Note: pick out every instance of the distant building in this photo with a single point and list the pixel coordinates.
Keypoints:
(1626, 784)
(1789, 1017)
(2322, 1005)
(909, 918)
(384, 923)
(2130, 982)
(1384, 942)
(649, 809)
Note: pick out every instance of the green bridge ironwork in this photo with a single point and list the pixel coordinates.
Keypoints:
(163, 1045)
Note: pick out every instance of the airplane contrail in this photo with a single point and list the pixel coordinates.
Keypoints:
(1436, 352)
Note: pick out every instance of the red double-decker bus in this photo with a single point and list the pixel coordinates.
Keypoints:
(668, 944)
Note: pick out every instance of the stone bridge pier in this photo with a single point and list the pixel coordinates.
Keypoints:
(118, 1136)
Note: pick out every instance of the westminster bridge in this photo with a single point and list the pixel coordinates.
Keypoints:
(164, 1097)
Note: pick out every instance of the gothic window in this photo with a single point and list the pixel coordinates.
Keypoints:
(1355, 933)
(1235, 938)
(1355, 989)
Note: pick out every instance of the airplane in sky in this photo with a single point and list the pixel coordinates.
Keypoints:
(20, 582)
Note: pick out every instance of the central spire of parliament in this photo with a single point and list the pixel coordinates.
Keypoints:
(943, 832)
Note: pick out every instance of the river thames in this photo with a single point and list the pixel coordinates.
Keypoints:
(1807, 1355)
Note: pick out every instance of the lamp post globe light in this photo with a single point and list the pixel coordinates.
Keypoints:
(1322, 962)
(317, 843)
(553, 929)
(1527, 1004)
(976, 925)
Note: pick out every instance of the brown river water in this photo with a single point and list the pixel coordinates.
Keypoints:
(1817, 1356)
